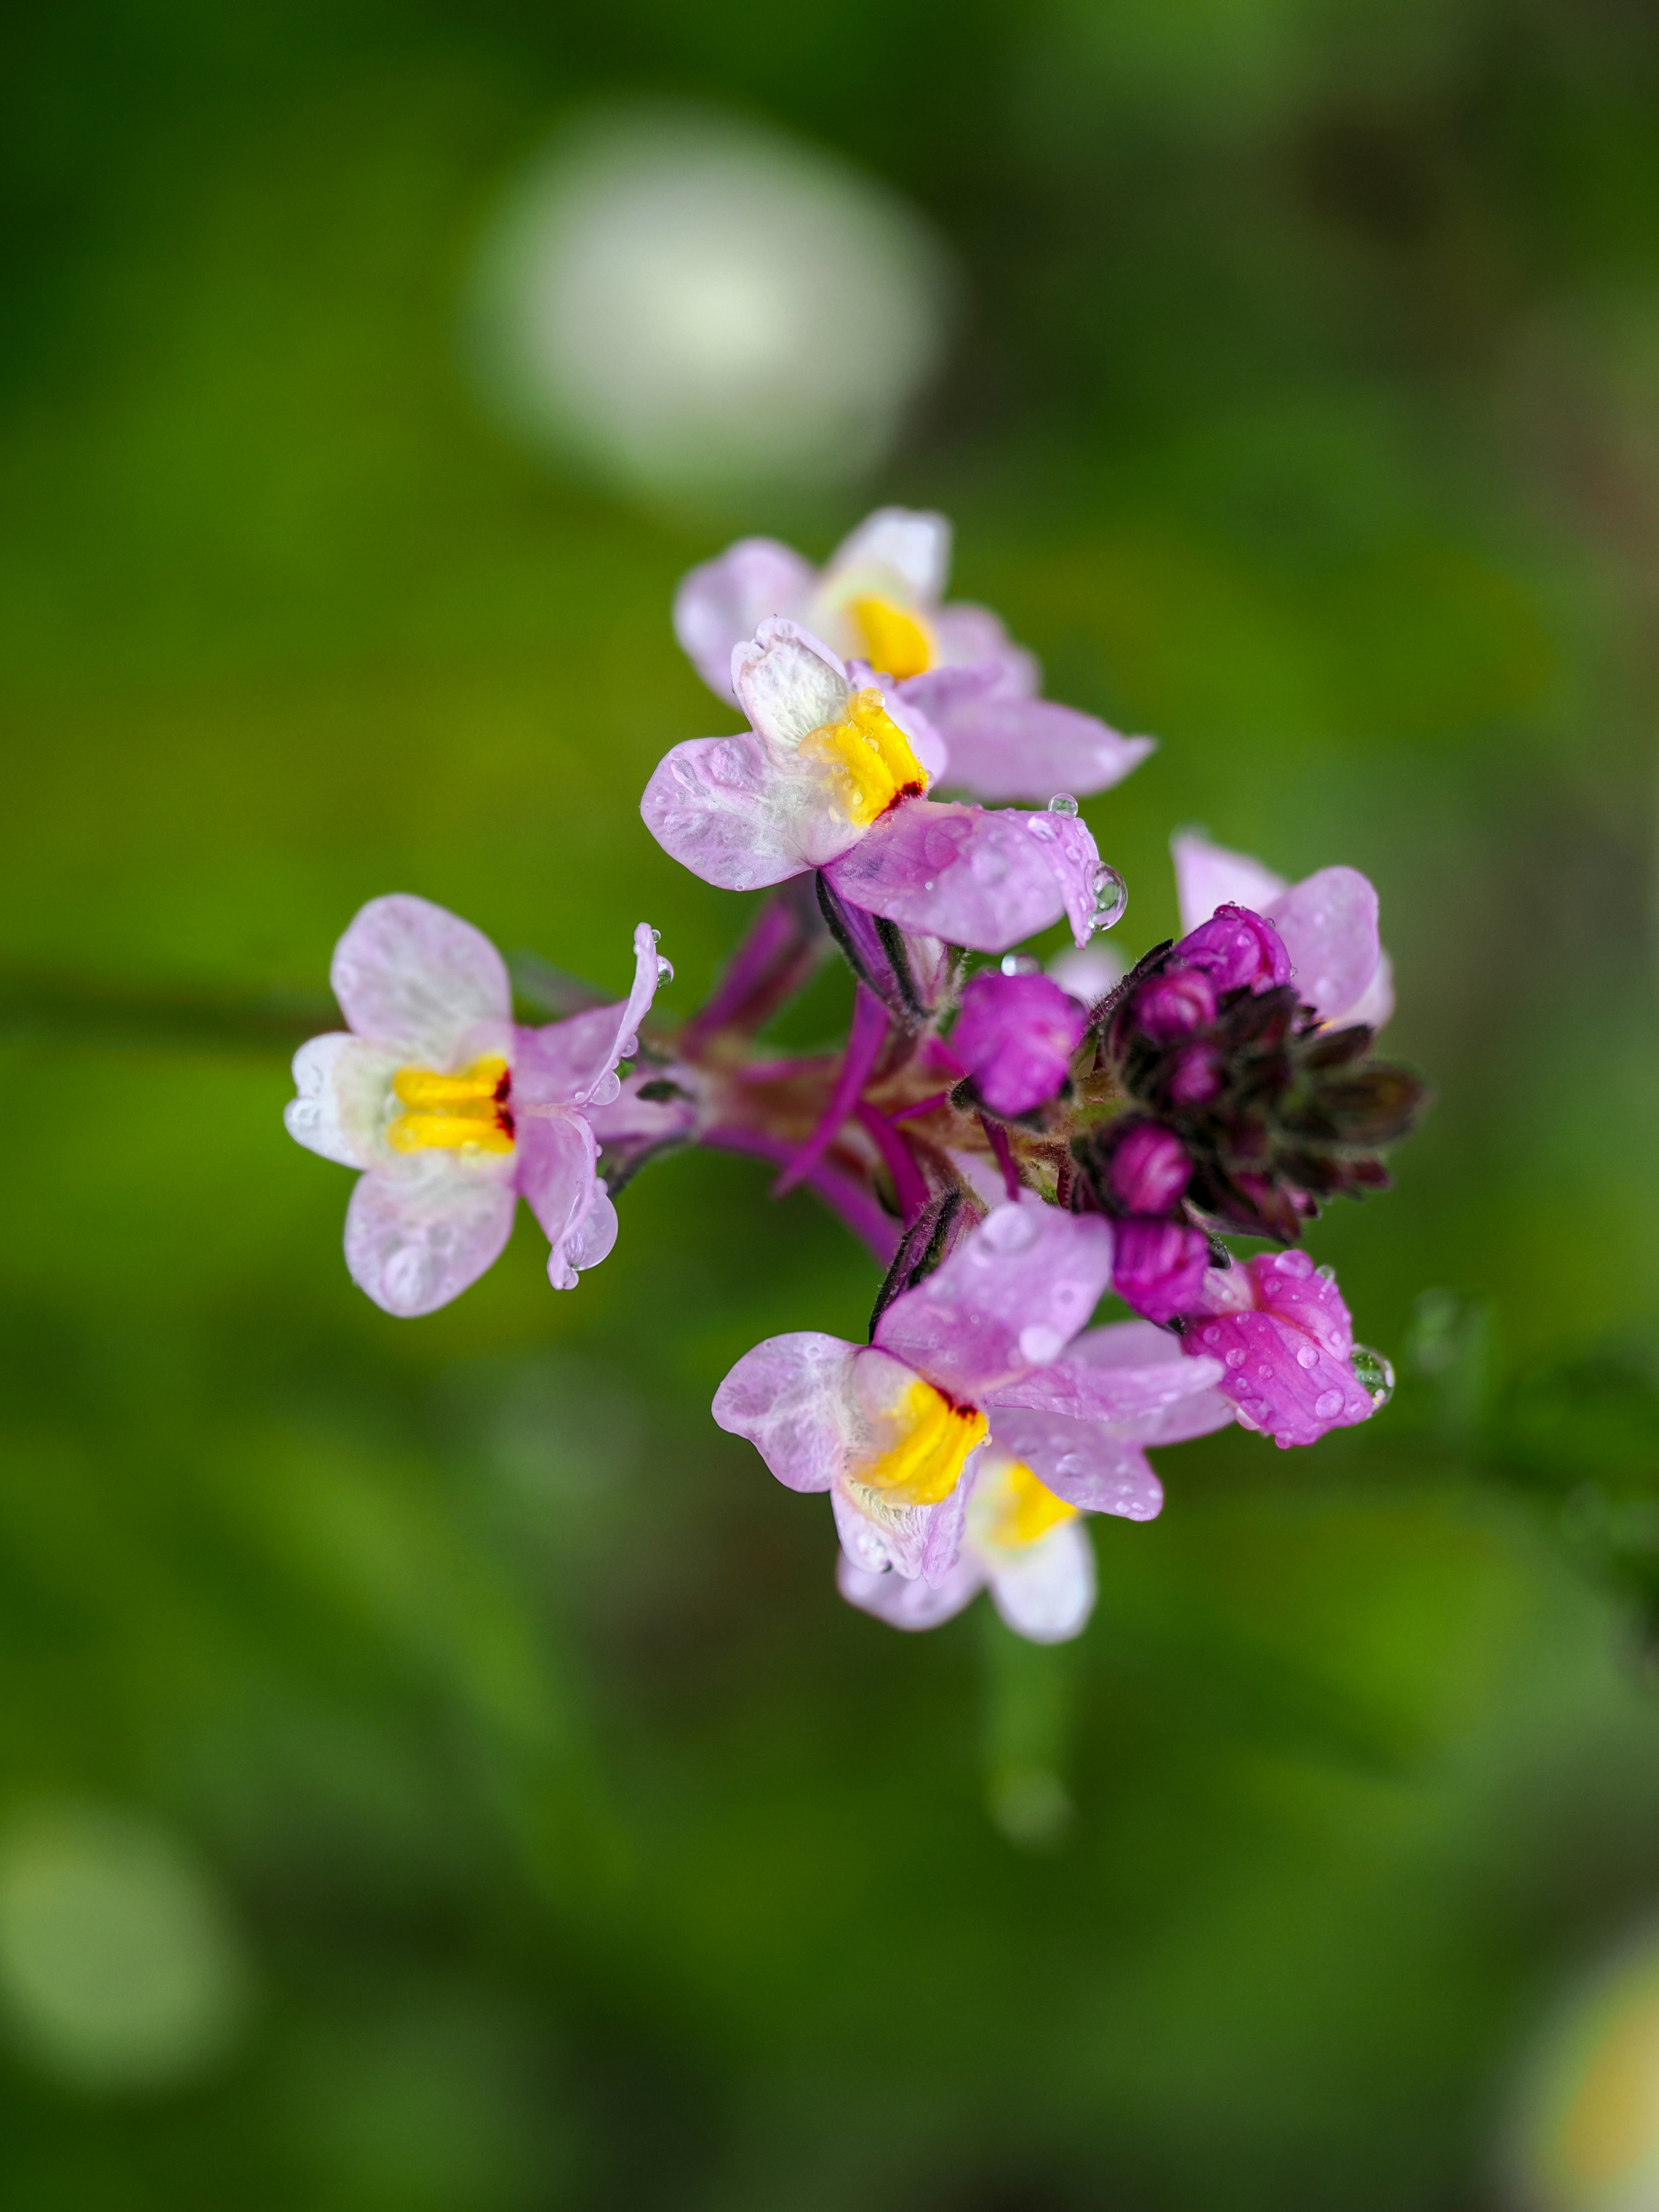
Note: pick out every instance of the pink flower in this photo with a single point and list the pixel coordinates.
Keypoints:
(1023, 1534)
(452, 1112)
(878, 602)
(831, 775)
(1285, 1343)
(1327, 924)
(1016, 1036)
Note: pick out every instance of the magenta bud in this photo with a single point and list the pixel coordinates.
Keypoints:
(1016, 1036)
(1195, 1075)
(1149, 1169)
(1158, 1267)
(1174, 1003)
(1236, 946)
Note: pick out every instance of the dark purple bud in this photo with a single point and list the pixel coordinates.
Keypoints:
(1195, 1075)
(1016, 1036)
(1158, 1267)
(1150, 1169)
(1175, 1003)
(1236, 946)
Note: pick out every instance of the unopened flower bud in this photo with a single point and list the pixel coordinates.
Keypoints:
(1236, 946)
(1149, 1168)
(1016, 1036)
(1175, 1003)
(1195, 1075)
(1158, 1267)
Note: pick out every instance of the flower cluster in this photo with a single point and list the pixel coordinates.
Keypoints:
(1011, 1145)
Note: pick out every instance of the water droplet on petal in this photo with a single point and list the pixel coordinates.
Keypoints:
(1111, 897)
(1212, 1335)
(1040, 1344)
(1307, 1356)
(1373, 1374)
(1265, 1372)
(1071, 1465)
(1010, 1229)
(928, 885)
(1328, 1403)
(1327, 1274)
(1236, 1356)
(1020, 964)
(665, 970)
(1062, 803)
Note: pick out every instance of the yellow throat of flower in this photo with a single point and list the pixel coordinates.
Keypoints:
(1024, 1510)
(871, 756)
(453, 1113)
(935, 1439)
(895, 643)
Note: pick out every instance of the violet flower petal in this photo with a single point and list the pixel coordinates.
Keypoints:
(1016, 1036)
(572, 1062)
(726, 809)
(1328, 926)
(1140, 1379)
(789, 1398)
(553, 1157)
(1004, 745)
(720, 605)
(983, 880)
(905, 1602)
(417, 1239)
(1082, 1462)
(1208, 876)
(1010, 1298)
(1285, 1337)
(415, 979)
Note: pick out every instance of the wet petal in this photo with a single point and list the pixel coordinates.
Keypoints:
(342, 1085)
(1208, 876)
(789, 684)
(1328, 924)
(416, 1240)
(1083, 1462)
(788, 1396)
(1003, 745)
(555, 1157)
(911, 547)
(568, 1062)
(1133, 1375)
(729, 810)
(1010, 1298)
(720, 606)
(415, 979)
(983, 880)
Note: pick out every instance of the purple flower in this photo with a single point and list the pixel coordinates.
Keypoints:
(1175, 1003)
(1159, 1266)
(1326, 923)
(831, 775)
(878, 602)
(1127, 1386)
(451, 1112)
(1285, 1343)
(1016, 1036)
(889, 1428)
(1235, 948)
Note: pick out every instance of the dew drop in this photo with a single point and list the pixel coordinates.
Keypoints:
(1373, 1374)
(1040, 1344)
(1265, 1372)
(665, 970)
(1062, 803)
(1328, 1403)
(1020, 964)
(1071, 1465)
(929, 885)
(1236, 1356)
(1212, 1335)
(1010, 1229)
(1307, 1356)
(1111, 897)
(1327, 1273)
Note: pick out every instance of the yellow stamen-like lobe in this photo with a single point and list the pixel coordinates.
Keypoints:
(934, 1440)
(451, 1113)
(872, 755)
(895, 642)
(1024, 1510)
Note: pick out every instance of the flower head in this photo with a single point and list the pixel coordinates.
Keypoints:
(1326, 924)
(880, 602)
(452, 1112)
(831, 775)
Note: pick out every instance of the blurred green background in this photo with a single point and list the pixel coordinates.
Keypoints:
(436, 1773)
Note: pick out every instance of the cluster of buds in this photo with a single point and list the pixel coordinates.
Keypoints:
(1011, 1144)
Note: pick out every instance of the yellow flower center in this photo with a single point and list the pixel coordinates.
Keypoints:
(895, 643)
(453, 1113)
(935, 1439)
(870, 754)
(1025, 1510)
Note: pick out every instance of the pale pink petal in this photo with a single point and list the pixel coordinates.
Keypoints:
(574, 1062)
(1328, 923)
(1046, 1592)
(1010, 1298)
(965, 634)
(1082, 1462)
(912, 547)
(788, 1396)
(1135, 1376)
(343, 1085)
(788, 683)
(986, 881)
(554, 1166)
(1003, 745)
(905, 1602)
(415, 1240)
(417, 979)
(1375, 1005)
(725, 602)
(727, 808)
(913, 1542)
(1208, 876)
